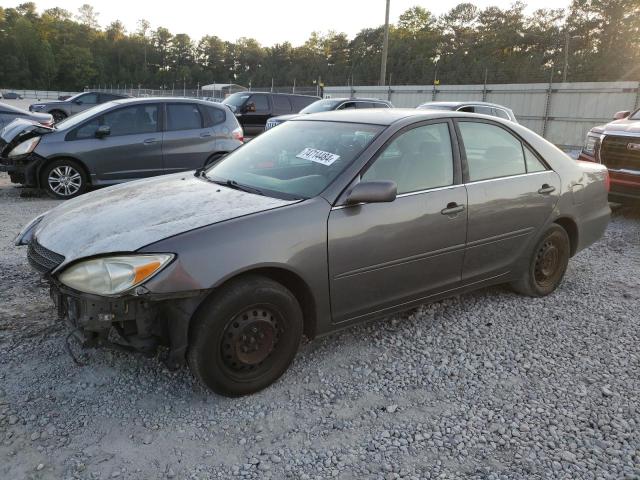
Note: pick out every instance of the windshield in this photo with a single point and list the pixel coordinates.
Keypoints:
(296, 160)
(73, 97)
(78, 118)
(321, 106)
(236, 99)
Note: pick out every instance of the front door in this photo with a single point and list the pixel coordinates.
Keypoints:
(133, 149)
(383, 255)
(256, 112)
(186, 142)
(511, 195)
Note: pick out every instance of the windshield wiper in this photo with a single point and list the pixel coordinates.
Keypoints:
(232, 184)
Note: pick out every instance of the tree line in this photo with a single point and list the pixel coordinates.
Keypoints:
(591, 40)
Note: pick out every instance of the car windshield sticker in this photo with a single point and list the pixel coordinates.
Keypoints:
(318, 156)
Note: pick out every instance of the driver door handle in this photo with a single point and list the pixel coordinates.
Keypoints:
(452, 208)
(150, 141)
(546, 189)
(205, 134)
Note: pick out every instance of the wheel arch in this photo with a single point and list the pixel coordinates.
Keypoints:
(571, 227)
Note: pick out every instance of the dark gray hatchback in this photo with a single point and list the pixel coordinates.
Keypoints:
(328, 220)
(118, 141)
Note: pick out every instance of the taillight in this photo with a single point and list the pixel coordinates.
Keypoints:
(607, 181)
(238, 134)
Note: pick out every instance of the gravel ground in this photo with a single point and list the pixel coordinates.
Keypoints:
(488, 385)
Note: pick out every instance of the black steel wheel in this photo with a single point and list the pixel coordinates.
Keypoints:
(245, 336)
(547, 264)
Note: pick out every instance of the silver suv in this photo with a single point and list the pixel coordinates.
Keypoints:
(61, 109)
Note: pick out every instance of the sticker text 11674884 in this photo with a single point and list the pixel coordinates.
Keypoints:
(318, 156)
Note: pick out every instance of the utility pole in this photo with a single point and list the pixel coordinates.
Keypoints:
(566, 54)
(385, 47)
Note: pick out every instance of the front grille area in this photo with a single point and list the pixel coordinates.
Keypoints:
(616, 153)
(270, 124)
(43, 259)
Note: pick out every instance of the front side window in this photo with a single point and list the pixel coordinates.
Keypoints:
(491, 151)
(419, 159)
(132, 120)
(260, 102)
(183, 116)
(299, 159)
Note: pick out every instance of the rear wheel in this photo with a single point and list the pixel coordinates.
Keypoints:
(547, 264)
(58, 116)
(244, 337)
(64, 179)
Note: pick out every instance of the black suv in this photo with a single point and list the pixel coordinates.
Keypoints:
(328, 104)
(253, 109)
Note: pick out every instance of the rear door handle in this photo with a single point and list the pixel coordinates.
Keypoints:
(150, 141)
(546, 188)
(452, 208)
(205, 134)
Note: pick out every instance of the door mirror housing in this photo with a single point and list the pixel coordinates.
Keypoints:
(250, 107)
(103, 131)
(621, 114)
(373, 192)
(78, 102)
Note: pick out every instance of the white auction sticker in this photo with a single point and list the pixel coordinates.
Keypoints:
(318, 156)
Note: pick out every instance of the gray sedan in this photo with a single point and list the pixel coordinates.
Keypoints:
(116, 142)
(328, 220)
(8, 113)
(61, 109)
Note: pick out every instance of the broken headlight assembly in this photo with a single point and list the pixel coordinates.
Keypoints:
(113, 275)
(25, 147)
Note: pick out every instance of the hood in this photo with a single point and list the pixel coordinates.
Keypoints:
(130, 216)
(21, 129)
(49, 102)
(622, 126)
(284, 118)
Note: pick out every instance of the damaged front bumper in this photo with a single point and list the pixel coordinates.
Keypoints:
(23, 170)
(136, 322)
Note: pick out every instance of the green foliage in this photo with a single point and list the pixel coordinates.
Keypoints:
(60, 50)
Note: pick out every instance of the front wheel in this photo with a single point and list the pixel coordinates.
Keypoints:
(547, 264)
(245, 336)
(64, 179)
(58, 116)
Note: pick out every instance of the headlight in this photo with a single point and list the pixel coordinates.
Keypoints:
(590, 145)
(25, 147)
(26, 234)
(113, 275)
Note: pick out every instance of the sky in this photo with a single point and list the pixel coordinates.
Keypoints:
(269, 22)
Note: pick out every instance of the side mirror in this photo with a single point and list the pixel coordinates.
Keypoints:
(250, 107)
(78, 102)
(373, 192)
(621, 114)
(103, 131)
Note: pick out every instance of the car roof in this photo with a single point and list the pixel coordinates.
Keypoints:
(127, 100)
(364, 99)
(384, 116)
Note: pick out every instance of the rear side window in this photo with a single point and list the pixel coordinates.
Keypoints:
(132, 120)
(281, 105)
(533, 164)
(107, 97)
(183, 116)
(491, 151)
(347, 106)
(299, 103)
(89, 98)
(215, 115)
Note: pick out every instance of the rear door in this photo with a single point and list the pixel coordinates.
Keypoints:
(511, 193)
(383, 255)
(187, 140)
(132, 150)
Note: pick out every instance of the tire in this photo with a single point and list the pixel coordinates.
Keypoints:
(58, 115)
(245, 336)
(547, 264)
(64, 179)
